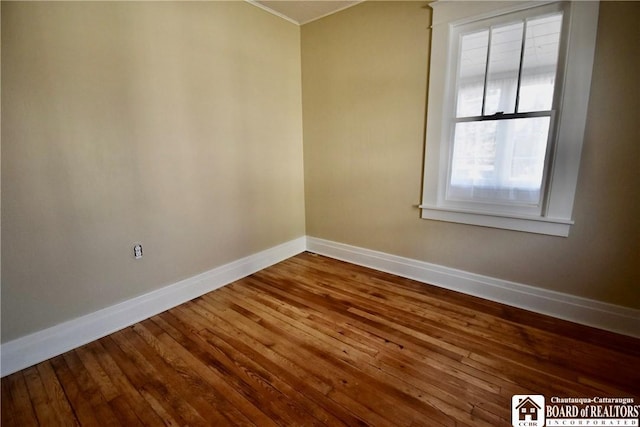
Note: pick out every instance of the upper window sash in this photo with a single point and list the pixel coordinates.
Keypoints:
(515, 37)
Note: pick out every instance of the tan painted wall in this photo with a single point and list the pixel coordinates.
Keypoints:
(364, 94)
(179, 125)
(176, 124)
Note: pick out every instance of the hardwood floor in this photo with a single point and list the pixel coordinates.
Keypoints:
(314, 341)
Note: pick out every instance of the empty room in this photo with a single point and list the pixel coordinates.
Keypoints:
(297, 213)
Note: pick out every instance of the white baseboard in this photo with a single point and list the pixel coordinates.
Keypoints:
(585, 311)
(45, 344)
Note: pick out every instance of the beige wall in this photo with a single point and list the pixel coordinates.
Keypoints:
(177, 125)
(364, 93)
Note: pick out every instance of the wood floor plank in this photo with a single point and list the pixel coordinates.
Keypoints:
(169, 383)
(56, 395)
(99, 376)
(221, 327)
(353, 372)
(362, 361)
(296, 317)
(42, 403)
(249, 359)
(123, 411)
(193, 349)
(148, 379)
(8, 410)
(140, 380)
(339, 387)
(389, 333)
(314, 341)
(359, 401)
(204, 376)
(90, 390)
(375, 337)
(129, 393)
(17, 407)
(392, 339)
(630, 375)
(83, 410)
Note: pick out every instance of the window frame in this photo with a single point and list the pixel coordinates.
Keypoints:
(571, 96)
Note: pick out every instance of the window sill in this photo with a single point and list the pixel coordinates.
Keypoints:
(528, 224)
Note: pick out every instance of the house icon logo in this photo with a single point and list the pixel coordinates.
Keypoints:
(527, 410)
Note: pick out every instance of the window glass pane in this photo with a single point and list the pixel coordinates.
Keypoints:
(499, 161)
(539, 63)
(504, 65)
(474, 154)
(473, 64)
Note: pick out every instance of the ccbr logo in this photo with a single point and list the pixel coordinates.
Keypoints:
(527, 410)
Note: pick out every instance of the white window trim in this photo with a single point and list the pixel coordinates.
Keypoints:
(556, 217)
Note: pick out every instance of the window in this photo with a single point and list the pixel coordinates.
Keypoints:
(508, 95)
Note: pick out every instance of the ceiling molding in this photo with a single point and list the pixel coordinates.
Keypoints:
(301, 12)
(355, 3)
(273, 12)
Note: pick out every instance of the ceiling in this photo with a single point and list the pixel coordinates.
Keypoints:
(303, 11)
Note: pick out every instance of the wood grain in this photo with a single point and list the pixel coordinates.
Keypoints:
(313, 341)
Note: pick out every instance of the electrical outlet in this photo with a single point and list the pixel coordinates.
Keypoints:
(137, 251)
